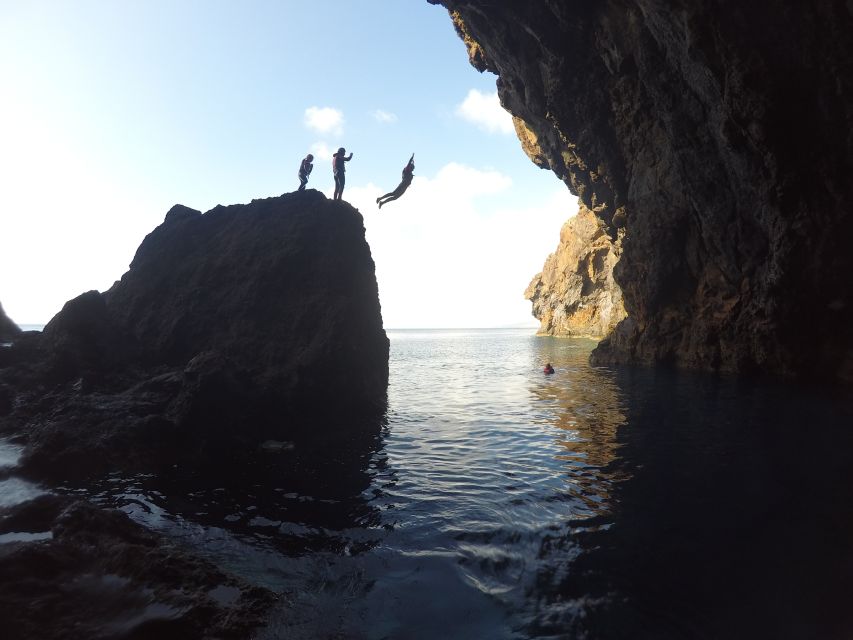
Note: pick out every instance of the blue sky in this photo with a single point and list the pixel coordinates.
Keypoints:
(111, 112)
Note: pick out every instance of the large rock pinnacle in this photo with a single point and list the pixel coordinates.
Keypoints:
(244, 323)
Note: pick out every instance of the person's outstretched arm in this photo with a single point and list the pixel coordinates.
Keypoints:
(349, 158)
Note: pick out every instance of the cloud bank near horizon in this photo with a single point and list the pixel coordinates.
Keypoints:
(442, 262)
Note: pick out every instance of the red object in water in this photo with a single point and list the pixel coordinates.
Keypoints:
(548, 369)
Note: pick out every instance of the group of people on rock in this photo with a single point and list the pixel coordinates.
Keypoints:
(339, 172)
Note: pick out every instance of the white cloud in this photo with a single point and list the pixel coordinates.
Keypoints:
(454, 178)
(449, 253)
(324, 120)
(485, 111)
(321, 151)
(384, 117)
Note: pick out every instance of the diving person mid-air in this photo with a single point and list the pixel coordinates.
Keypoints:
(408, 174)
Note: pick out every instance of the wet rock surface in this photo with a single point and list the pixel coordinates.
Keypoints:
(86, 572)
(716, 140)
(243, 324)
(575, 294)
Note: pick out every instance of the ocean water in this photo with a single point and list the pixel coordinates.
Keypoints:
(13, 490)
(502, 503)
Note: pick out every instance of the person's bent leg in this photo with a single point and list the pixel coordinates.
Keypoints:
(396, 193)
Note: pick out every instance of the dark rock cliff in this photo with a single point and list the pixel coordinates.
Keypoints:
(246, 323)
(717, 139)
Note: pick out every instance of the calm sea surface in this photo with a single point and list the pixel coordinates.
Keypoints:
(502, 503)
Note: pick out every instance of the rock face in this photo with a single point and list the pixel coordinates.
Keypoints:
(718, 139)
(8, 329)
(575, 294)
(248, 322)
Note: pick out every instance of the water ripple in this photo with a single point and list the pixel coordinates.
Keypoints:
(502, 503)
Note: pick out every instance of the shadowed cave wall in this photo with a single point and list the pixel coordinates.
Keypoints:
(714, 140)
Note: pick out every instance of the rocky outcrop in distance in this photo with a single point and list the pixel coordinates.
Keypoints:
(718, 139)
(575, 294)
(246, 323)
(8, 329)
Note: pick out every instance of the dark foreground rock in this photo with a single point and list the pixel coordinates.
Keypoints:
(247, 323)
(716, 138)
(96, 574)
(8, 329)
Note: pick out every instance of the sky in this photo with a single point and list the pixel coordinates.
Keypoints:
(112, 112)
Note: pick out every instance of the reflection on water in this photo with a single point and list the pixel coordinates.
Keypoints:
(283, 503)
(731, 516)
(588, 410)
(503, 503)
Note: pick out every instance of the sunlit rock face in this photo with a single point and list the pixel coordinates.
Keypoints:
(575, 294)
(245, 323)
(717, 139)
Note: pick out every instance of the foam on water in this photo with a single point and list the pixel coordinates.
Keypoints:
(10, 454)
(15, 491)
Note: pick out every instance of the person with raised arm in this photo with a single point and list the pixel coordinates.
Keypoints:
(339, 171)
(408, 174)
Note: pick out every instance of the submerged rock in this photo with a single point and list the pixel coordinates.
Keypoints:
(243, 324)
(575, 294)
(717, 139)
(85, 572)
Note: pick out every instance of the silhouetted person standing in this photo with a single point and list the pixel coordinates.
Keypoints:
(408, 174)
(339, 171)
(305, 168)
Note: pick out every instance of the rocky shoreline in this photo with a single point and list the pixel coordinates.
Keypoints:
(250, 328)
(93, 573)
